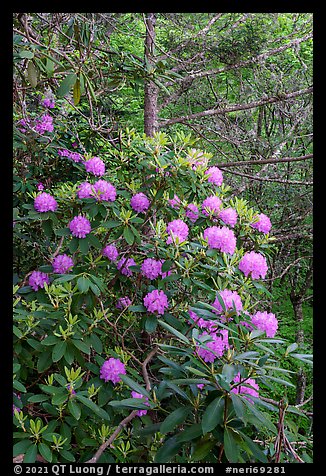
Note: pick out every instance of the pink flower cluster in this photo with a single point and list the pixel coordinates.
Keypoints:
(215, 176)
(221, 238)
(151, 268)
(80, 227)
(175, 202)
(37, 280)
(255, 264)
(192, 212)
(139, 202)
(124, 266)
(139, 395)
(62, 264)
(230, 298)
(210, 325)
(263, 224)
(156, 301)
(211, 205)
(177, 229)
(75, 156)
(265, 321)
(111, 252)
(48, 102)
(44, 124)
(123, 302)
(44, 202)
(101, 190)
(112, 369)
(95, 166)
(216, 346)
(229, 216)
(249, 387)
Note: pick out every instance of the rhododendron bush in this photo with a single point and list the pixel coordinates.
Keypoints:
(142, 332)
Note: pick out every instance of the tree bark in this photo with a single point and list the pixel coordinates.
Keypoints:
(150, 89)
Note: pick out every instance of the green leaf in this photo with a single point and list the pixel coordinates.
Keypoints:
(111, 224)
(66, 84)
(65, 278)
(32, 74)
(231, 446)
(21, 447)
(44, 361)
(76, 92)
(135, 403)
(190, 433)
(38, 398)
(93, 240)
(96, 343)
(18, 386)
(30, 455)
(81, 346)
(202, 449)
(138, 308)
(26, 54)
(213, 415)
(166, 265)
(173, 331)
(151, 323)
(128, 235)
(84, 245)
(167, 451)
(92, 406)
(74, 409)
(45, 451)
(50, 340)
(254, 448)
(238, 406)
(60, 397)
(134, 385)
(59, 350)
(83, 284)
(174, 419)
(177, 390)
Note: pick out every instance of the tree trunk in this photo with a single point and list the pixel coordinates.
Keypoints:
(150, 89)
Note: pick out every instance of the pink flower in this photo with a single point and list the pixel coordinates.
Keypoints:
(210, 325)
(123, 302)
(48, 102)
(40, 186)
(112, 369)
(95, 166)
(211, 205)
(221, 238)
(85, 190)
(151, 268)
(192, 212)
(175, 202)
(45, 123)
(177, 229)
(229, 216)
(156, 301)
(80, 226)
(265, 321)
(229, 298)
(62, 264)
(124, 265)
(215, 175)
(217, 346)
(37, 280)
(139, 202)
(111, 252)
(253, 263)
(249, 387)
(263, 224)
(104, 190)
(139, 395)
(44, 202)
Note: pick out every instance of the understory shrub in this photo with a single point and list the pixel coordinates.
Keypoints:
(139, 299)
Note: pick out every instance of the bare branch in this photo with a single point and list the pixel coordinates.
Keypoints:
(237, 107)
(267, 161)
